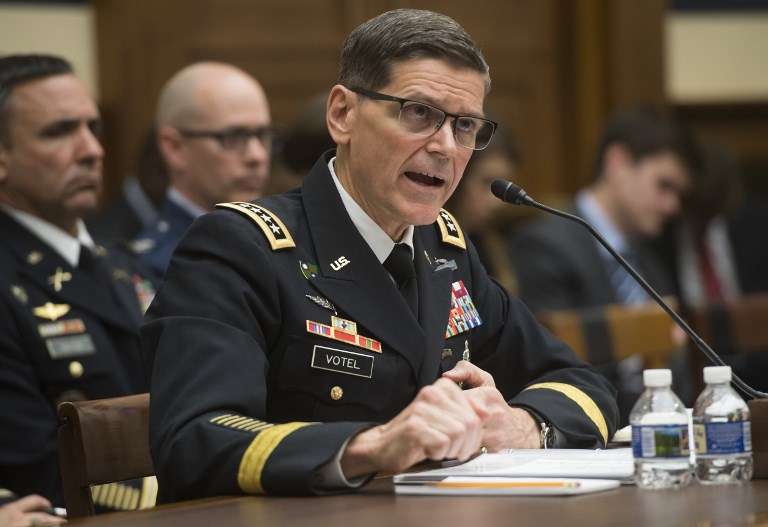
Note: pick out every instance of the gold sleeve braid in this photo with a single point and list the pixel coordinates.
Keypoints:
(585, 402)
(258, 452)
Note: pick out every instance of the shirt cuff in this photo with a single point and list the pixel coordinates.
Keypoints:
(331, 477)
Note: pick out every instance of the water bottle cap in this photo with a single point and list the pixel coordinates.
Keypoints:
(657, 378)
(717, 374)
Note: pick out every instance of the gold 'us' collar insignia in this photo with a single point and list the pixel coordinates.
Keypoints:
(274, 229)
(51, 311)
(450, 231)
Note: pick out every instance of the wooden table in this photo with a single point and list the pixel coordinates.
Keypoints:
(377, 506)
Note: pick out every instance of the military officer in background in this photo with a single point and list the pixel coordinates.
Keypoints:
(214, 136)
(69, 309)
(303, 342)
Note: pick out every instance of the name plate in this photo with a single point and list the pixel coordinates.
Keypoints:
(341, 361)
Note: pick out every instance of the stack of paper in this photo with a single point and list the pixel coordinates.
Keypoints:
(532, 472)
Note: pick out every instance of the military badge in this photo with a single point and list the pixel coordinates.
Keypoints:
(463, 315)
(322, 302)
(308, 270)
(145, 291)
(51, 311)
(344, 331)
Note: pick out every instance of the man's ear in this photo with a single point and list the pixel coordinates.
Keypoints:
(340, 113)
(617, 159)
(169, 143)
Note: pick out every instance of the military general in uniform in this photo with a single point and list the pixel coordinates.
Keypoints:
(70, 310)
(303, 342)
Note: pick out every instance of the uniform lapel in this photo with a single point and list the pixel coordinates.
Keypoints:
(434, 304)
(362, 288)
(39, 262)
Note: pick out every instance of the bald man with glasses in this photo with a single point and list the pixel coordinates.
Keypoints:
(214, 134)
(303, 342)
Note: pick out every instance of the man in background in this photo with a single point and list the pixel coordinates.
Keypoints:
(643, 168)
(645, 164)
(214, 135)
(69, 310)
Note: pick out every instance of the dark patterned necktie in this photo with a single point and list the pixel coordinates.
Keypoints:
(399, 264)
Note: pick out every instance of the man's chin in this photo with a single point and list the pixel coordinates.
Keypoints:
(82, 205)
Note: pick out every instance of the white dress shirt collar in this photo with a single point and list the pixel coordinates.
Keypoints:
(193, 209)
(378, 240)
(594, 214)
(62, 242)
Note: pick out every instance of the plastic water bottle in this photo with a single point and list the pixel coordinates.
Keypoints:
(660, 435)
(721, 431)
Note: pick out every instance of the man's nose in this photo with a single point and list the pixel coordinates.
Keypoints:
(443, 140)
(257, 150)
(89, 146)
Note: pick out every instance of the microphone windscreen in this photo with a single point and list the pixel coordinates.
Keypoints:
(499, 188)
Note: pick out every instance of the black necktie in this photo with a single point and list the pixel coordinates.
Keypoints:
(399, 264)
(94, 266)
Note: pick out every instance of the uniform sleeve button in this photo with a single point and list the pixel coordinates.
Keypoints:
(337, 393)
(75, 369)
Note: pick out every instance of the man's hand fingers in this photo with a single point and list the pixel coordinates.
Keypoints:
(470, 375)
(33, 502)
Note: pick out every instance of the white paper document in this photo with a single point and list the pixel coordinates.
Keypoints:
(498, 486)
(616, 464)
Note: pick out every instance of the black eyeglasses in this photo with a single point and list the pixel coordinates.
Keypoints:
(235, 139)
(424, 120)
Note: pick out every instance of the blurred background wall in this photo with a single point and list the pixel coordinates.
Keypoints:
(559, 67)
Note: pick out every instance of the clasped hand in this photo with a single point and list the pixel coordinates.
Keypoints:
(443, 422)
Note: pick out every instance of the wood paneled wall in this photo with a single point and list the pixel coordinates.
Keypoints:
(559, 67)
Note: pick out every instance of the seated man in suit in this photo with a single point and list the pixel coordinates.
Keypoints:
(214, 135)
(644, 166)
(69, 310)
(303, 342)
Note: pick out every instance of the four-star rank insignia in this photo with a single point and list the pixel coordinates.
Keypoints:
(274, 229)
(343, 330)
(450, 232)
(463, 315)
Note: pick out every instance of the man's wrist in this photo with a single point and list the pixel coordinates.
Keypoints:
(358, 457)
(545, 428)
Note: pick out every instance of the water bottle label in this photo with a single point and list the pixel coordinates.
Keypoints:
(660, 441)
(723, 438)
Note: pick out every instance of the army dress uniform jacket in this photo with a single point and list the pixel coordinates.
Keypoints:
(65, 335)
(255, 386)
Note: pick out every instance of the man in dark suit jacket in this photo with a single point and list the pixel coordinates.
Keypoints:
(303, 342)
(644, 166)
(214, 136)
(69, 310)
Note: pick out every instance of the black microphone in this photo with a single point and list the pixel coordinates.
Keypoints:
(511, 193)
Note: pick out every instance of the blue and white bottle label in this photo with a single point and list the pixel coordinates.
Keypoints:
(660, 441)
(723, 438)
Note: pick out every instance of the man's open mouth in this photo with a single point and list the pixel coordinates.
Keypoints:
(425, 179)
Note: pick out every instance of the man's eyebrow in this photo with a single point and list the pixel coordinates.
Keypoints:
(60, 127)
(421, 97)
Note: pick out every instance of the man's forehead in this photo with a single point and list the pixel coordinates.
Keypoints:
(50, 98)
(438, 81)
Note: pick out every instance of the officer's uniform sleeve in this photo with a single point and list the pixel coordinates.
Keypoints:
(534, 370)
(208, 338)
(28, 421)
